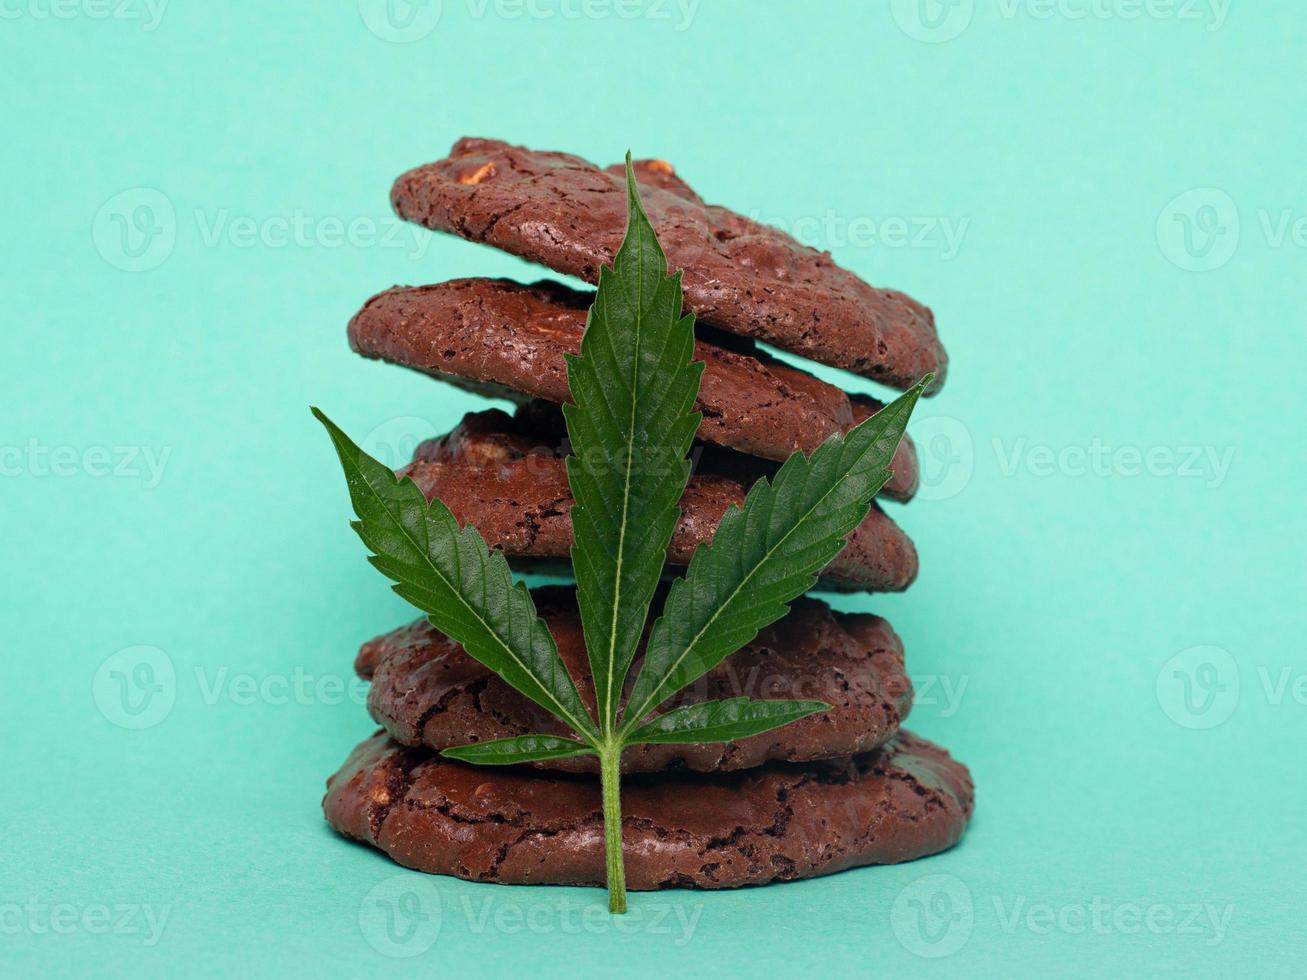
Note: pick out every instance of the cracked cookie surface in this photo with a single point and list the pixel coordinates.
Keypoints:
(507, 340)
(427, 691)
(506, 476)
(776, 823)
(740, 275)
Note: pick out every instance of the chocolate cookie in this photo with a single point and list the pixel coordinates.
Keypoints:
(506, 476)
(507, 340)
(426, 690)
(777, 823)
(740, 275)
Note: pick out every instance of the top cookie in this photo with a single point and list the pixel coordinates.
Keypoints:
(740, 275)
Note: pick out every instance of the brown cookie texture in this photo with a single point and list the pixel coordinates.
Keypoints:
(507, 340)
(780, 822)
(427, 691)
(740, 275)
(507, 477)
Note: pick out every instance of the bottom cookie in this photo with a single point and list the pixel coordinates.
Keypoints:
(778, 822)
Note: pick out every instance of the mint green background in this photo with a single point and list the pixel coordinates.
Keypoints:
(1057, 599)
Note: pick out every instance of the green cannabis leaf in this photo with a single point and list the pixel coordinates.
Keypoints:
(466, 590)
(631, 423)
(723, 721)
(770, 552)
(520, 748)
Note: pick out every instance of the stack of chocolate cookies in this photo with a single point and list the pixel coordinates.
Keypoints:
(835, 790)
